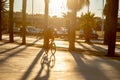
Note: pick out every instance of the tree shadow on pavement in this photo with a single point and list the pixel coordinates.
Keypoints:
(11, 54)
(3, 43)
(29, 70)
(7, 50)
(92, 68)
(97, 49)
(14, 51)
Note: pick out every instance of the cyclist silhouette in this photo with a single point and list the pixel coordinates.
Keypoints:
(49, 34)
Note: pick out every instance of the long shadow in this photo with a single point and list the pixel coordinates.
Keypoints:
(62, 48)
(10, 49)
(30, 44)
(103, 51)
(88, 71)
(29, 70)
(100, 50)
(46, 63)
(33, 42)
(43, 68)
(118, 47)
(82, 45)
(12, 54)
(3, 43)
(46, 76)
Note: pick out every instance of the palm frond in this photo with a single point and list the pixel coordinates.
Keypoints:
(77, 4)
(4, 6)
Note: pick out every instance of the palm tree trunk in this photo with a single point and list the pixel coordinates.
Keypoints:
(46, 39)
(74, 6)
(87, 33)
(0, 20)
(111, 20)
(72, 31)
(11, 2)
(106, 33)
(24, 22)
(106, 27)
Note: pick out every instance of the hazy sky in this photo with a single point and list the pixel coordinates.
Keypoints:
(57, 7)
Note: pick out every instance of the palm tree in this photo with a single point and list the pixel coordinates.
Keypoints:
(3, 7)
(11, 2)
(106, 29)
(111, 22)
(46, 40)
(24, 22)
(66, 17)
(74, 6)
(87, 24)
(0, 20)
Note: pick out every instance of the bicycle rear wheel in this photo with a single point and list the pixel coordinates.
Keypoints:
(53, 48)
(52, 61)
(44, 58)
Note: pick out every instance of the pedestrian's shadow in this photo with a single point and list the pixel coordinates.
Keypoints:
(29, 70)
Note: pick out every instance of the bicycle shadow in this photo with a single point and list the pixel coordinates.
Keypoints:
(44, 72)
(29, 70)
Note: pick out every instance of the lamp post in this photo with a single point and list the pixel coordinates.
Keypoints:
(102, 27)
(32, 12)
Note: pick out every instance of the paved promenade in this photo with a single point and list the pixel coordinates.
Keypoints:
(88, 62)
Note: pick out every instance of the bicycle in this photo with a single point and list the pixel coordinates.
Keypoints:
(51, 47)
(46, 59)
(50, 61)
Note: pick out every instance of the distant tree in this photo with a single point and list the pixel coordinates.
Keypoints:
(67, 18)
(87, 24)
(74, 6)
(98, 25)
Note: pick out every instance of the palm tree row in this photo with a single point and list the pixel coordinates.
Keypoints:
(110, 26)
(11, 36)
(73, 6)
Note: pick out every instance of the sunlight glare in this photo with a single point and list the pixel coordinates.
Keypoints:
(57, 7)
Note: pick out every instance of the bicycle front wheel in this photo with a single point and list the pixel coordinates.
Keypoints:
(53, 48)
(52, 61)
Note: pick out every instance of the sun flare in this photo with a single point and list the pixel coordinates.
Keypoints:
(57, 7)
